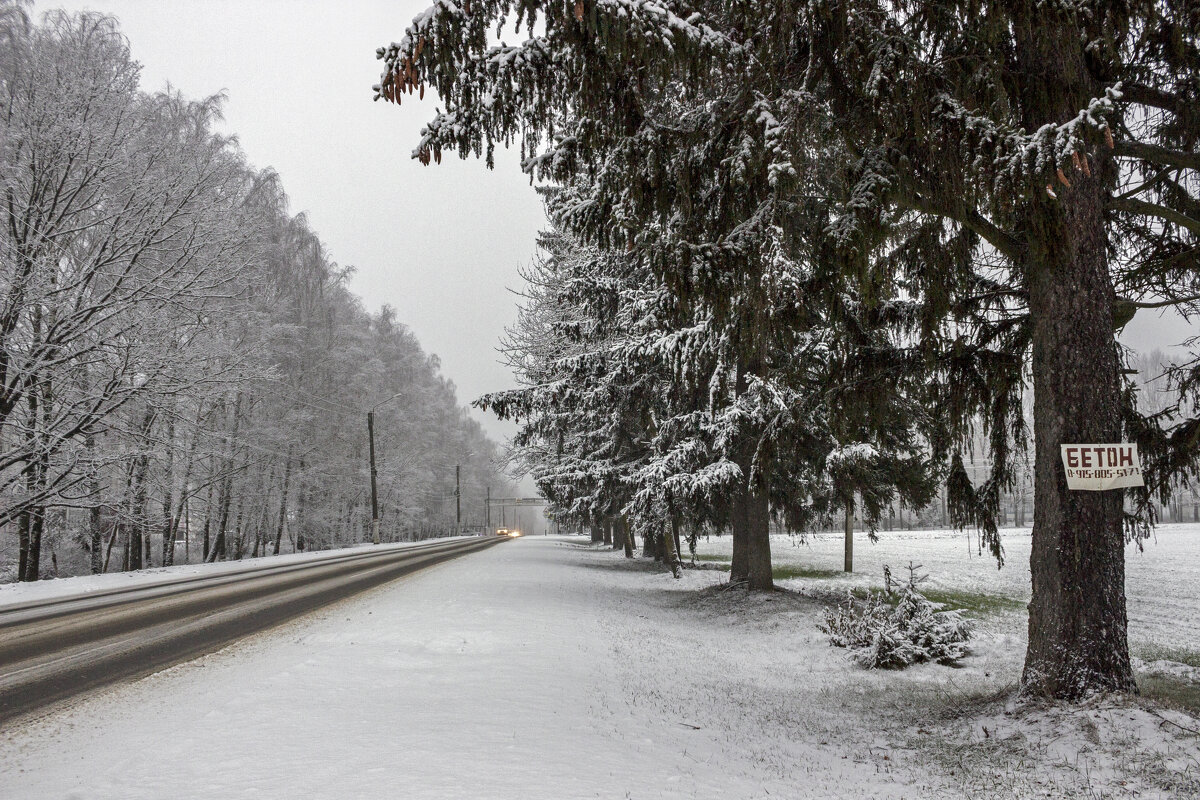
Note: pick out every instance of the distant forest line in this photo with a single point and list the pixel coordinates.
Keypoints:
(181, 360)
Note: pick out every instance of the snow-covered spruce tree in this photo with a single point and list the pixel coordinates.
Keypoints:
(612, 423)
(886, 637)
(1024, 171)
(586, 397)
(1047, 149)
(590, 322)
(876, 428)
(682, 182)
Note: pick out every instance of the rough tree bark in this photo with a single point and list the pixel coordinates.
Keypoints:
(283, 498)
(1078, 641)
(301, 495)
(670, 551)
(848, 555)
(648, 545)
(139, 512)
(751, 515)
(168, 497)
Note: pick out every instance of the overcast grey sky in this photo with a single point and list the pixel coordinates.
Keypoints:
(440, 243)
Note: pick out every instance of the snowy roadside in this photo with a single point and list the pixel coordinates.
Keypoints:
(14, 593)
(965, 718)
(546, 668)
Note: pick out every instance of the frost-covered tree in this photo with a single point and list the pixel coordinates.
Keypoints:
(587, 396)
(1023, 173)
(1021, 169)
(183, 370)
(113, 238)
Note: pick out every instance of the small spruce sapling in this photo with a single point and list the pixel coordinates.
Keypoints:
(887, 637)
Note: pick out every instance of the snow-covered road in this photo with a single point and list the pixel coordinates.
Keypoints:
(546, 668)
(539, 669)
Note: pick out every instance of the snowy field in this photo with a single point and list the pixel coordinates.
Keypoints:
(547, 668)
(1162, 580)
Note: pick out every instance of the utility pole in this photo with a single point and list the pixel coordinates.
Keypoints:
(374, 494)
(371, 441)
(487, 511)
(457, 501)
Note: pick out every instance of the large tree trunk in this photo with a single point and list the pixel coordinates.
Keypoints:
(751, 515)
(1078, 640)
(22, 543)
(752, 540)
(848, 555)
(283, 497)
(95, 518)
(597, 534)
(37, 523)
(301, 494)
(168, 498)
(627, 537)
(758, 517)
(671, 548)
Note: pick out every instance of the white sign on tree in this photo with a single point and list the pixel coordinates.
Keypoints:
(1096, 467)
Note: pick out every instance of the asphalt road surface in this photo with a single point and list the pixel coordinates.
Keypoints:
(51, 650)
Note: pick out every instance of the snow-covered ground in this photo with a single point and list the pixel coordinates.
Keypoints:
(546, 668)
(1162, 580)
